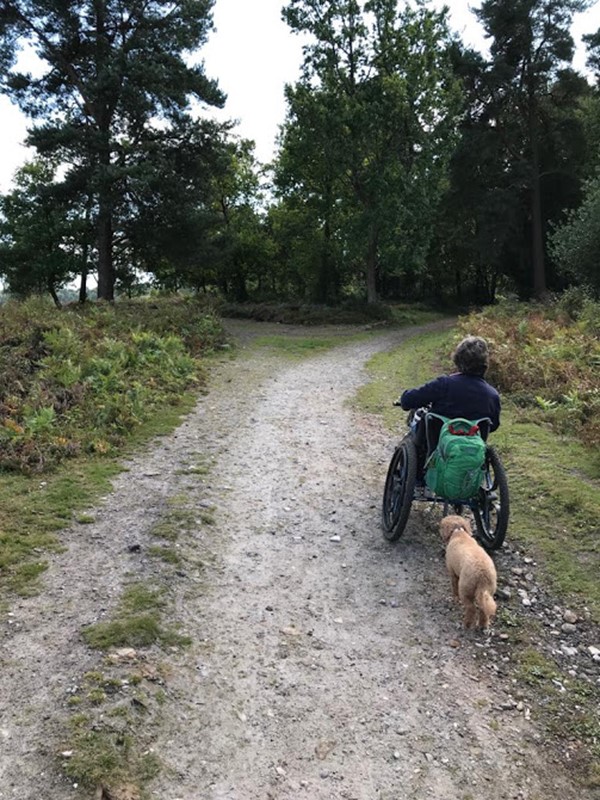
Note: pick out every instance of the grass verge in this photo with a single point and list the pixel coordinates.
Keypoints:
(555, 504)
(554, 480)
(137, 622)
(302, 346)
(297, 347)
(34, 508)
(116, 709)
(350, 313)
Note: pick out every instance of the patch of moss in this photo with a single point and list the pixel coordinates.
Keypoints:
(137, 623)
(534, 667)
(173, 523)
(166, 554)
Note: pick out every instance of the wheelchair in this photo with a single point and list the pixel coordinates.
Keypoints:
(405, 484)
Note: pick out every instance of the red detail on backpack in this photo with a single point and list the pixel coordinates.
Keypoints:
(473, 431)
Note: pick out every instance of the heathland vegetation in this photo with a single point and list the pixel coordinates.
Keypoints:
(80, 386)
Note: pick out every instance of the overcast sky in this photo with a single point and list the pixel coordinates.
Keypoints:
(253, 54)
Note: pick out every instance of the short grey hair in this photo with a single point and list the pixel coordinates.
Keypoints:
(472, 356)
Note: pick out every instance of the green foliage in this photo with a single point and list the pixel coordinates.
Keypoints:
(83, 380)
(365, 146)
(37, 250)
(31, 510)
(575, 244)
(525, 144)
(547, 362)
(95, 102)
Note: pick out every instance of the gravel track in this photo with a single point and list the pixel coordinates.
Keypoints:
(325, 663)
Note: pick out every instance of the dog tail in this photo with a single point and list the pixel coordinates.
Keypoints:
(486, 603)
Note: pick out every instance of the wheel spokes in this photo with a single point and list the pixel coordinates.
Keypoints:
(396, 503)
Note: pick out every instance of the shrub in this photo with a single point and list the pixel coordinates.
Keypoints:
(83, 379)
(547, 360)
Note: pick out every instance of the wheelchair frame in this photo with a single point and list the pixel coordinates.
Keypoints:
(490, 507)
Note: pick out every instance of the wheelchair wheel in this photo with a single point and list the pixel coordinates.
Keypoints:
(492, 509)
(399, 489)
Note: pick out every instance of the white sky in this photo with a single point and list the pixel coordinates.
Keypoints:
(253, 54)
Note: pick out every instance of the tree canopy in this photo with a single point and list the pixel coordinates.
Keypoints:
(408, 166)
(368, 135)
(530, 44)
(114, 72)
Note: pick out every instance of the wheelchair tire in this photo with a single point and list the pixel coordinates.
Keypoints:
(492, 509)
(399, 489)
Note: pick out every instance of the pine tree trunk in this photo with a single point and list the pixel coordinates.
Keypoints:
(83, 285)
(106, 276)
(85, 250)
(537, 234)
(327, 283)
(53, 294)
(372, 296)
(106, 273)
(83, 273)
(458, 284)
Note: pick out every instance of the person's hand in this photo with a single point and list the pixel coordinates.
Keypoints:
(397, 402)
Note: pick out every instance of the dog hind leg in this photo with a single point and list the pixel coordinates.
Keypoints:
(487, 608)
(470, 618)
(454, 580)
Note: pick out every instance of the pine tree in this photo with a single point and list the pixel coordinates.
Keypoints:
(531, 43)
(112, 69)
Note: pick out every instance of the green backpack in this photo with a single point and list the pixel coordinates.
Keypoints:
(454, 470)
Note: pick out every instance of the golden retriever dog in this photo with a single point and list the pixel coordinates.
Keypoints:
(471, 570)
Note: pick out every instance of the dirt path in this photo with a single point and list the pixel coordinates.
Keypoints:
(325, 663)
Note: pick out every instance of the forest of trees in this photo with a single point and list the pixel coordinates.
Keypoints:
(409, 166)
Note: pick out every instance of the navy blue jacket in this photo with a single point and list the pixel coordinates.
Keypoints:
(458, 395)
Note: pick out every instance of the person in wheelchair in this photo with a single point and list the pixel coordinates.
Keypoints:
(464, 393)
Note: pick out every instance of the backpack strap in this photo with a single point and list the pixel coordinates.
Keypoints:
(472, 425)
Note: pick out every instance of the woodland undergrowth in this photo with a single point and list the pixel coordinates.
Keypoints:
(546, 360)
(82, 379)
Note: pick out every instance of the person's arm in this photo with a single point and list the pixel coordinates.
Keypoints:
(424, 395)
(496, 415)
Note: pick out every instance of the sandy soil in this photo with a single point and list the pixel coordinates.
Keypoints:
(325, 663)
